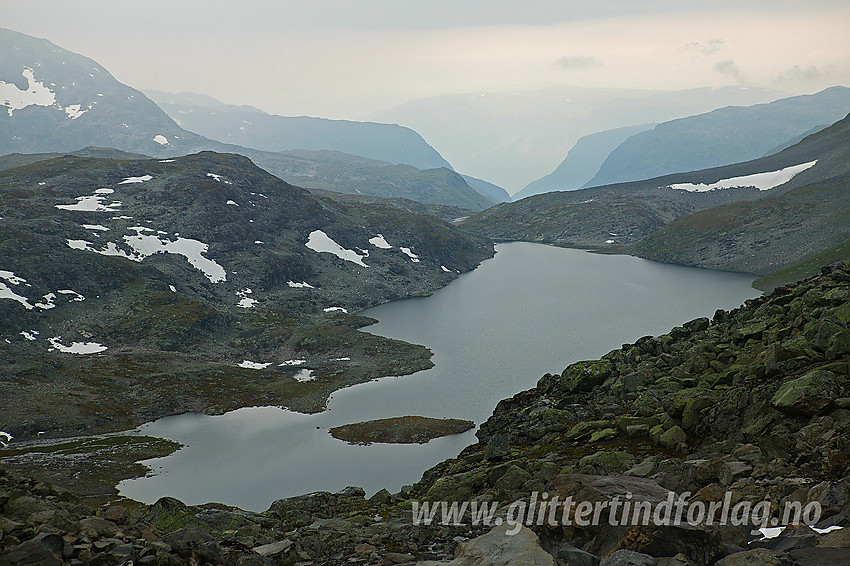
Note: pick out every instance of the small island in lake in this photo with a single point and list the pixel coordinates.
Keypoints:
(400, 430)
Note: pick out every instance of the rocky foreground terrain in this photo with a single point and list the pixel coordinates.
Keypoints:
(754, 402)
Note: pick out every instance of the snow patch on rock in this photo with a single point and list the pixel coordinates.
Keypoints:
(245, 301)
(36, 93)
(379, 242)
(761, 181)
(92, 203)
(248, 364)
(320, 242)
(77, 347)
(131, 180)
(413, 257)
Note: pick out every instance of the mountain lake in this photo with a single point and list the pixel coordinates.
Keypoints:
(495, 331)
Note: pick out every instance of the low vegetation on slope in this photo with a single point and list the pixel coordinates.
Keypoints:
(343, 173)
(762, 237)
(788, 234)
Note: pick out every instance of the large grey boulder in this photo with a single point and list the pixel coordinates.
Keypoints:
(497, 548)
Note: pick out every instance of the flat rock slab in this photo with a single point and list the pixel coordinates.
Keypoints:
(498, 548)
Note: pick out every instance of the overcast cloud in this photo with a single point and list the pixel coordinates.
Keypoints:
(348, 58)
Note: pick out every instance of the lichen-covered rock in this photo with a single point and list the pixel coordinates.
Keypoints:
(513, 479)
(584, 376)
(808, 395)
(674, 438)
(607, 462)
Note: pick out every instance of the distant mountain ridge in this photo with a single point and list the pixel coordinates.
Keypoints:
(720, 137)
(784, 236)
(767, 221)
(251, 127)
(351, 174)
(57, 101)
(514, 137)
(582, 162)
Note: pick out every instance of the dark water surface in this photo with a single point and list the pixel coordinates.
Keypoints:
(530, 310)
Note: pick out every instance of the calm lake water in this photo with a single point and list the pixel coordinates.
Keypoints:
(530, 310)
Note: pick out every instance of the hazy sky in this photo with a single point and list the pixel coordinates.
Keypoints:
(347, 58)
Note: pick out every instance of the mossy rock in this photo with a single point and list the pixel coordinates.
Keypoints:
(459, 487)
(584, 376)
(635, 431)
(546, 471)
(752, 331)
(808, 395)
(607, 462)
(169, 514)
(675, 403)
(842, 313)
(586, 428)
(673, 438)
(603, 434)
(695, 407)
(840, 343)
(647, 404)
(513, 479)
(826, 332)
(656, 432)
(792, 348)
(555, 416)
(623, 423)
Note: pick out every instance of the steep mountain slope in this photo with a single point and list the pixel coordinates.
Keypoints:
(772, 233)
(493, 192)
(346, 173)
(724, 136)
(582, 162)
(250, 127)
(785, 206)
(441, 211)
(196, 283)
(58, 101)
(514, 137)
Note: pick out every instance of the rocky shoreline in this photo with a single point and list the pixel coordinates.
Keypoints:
(754, 403)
